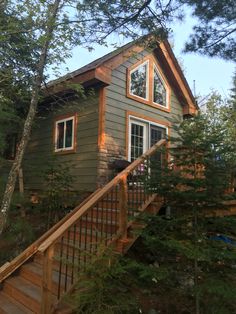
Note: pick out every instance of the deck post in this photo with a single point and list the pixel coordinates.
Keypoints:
(123, 207)
(46, 305)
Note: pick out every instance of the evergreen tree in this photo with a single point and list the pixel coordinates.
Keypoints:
(214, 33)
(193, 182)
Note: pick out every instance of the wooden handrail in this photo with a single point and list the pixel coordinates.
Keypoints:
(9, 267)
(97, 197)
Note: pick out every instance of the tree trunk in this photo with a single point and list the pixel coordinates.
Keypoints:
(11, 182)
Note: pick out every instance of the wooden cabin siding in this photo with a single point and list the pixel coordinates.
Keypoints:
(82, 162)
(117, 106)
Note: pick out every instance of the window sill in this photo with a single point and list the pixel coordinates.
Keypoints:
(149, 103)
(65, 152)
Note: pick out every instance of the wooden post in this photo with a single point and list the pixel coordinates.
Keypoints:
(123, 207)
(46, 302)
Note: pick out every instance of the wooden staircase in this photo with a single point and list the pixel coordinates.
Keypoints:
(36, 280)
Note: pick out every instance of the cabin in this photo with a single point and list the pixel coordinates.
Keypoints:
(131, 98)
(130, 102)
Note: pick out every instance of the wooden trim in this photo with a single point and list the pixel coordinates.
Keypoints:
(62, 117)
(123, 208)
(151, 62)
(46, 292)
(123, 56)
(101, 118)
(141, 116)
(169, 56)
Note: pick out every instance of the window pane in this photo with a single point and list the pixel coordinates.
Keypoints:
(137, 141)
(138, 81)
(69, 130)
(157, 133)
(60, 135)
(159, 91)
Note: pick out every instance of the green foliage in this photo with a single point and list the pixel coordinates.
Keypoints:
(59, 194)
(103, 288)
(170, 245)
(214, 33)
(193, 181)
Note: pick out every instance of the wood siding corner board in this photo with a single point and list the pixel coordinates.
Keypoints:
(178, 77)
(101, 118)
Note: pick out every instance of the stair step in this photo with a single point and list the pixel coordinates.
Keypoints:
(23, 292)
(33, 273)
(9, 305)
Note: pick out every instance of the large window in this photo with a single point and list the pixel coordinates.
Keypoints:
(147, 84)
(65, 134)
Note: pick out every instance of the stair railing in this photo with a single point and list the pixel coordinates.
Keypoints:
(104, 218)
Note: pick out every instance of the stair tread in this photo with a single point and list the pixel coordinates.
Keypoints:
(37, 269)
(25, 287)
(11, 306)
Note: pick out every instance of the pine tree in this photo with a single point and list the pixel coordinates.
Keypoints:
(193, 182)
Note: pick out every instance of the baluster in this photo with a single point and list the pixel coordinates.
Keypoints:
(47, 280)
(123, 196)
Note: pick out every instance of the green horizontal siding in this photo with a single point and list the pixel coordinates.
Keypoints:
(82, 163)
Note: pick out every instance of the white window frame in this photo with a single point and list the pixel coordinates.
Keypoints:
(147, 80)
(147, 124)
(64, 141)
(163, 82)
(145, 144)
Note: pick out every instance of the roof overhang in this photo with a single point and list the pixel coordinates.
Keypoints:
(99, 74)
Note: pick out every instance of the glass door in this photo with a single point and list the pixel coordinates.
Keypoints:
(138, 139)
(142, 136)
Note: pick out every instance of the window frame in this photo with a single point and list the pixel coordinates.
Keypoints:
(152, 65)
(64, 119)
(163, 82)
(147, 122)
(147, 80)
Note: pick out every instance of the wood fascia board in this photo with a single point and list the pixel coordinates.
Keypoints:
(100, 74)
(123, 56)
(178, 77)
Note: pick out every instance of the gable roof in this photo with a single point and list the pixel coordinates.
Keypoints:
(98, 72)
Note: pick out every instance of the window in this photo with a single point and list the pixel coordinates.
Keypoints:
(139, 82)
(138, 143)
(143, 134)
(65, 134)
(147, 84)
(159, 90)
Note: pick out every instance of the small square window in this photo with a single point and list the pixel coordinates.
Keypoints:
(65, 134)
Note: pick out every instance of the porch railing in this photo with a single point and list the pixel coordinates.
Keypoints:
(104, 218)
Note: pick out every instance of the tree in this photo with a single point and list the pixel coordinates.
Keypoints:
(193, 183)
(214, 33)
(55, 26)
(14, 74)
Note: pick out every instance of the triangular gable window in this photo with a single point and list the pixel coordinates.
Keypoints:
(147, 84)
(159, 90)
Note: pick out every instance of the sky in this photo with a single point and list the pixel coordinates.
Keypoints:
(208, 73)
